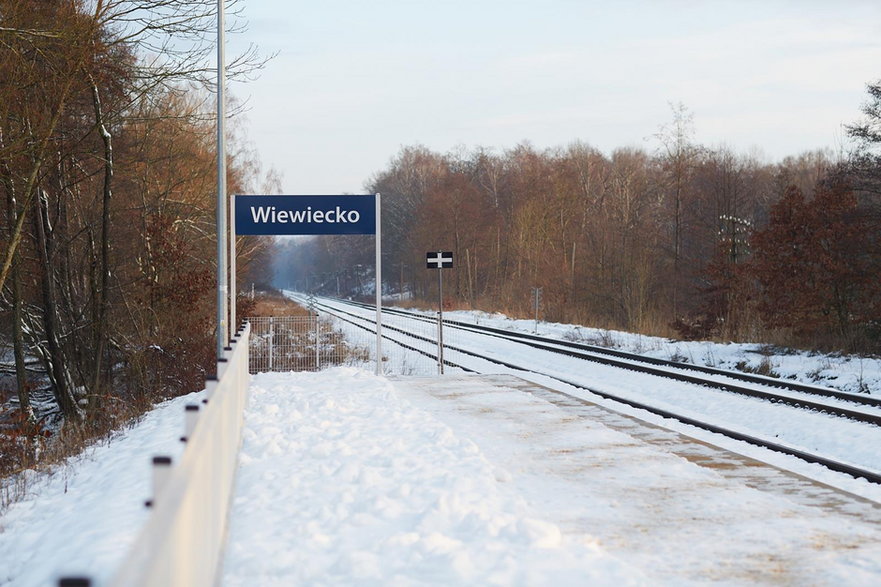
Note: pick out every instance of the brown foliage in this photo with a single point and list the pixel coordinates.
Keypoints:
(704, 241)
(815, 262)
(269, 304)
(107, 197)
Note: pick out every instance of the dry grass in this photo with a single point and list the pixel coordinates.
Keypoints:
(276, 305)
(652, 325)
(412, 304)
(26, 448)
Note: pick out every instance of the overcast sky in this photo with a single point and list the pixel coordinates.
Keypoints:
(356, 80)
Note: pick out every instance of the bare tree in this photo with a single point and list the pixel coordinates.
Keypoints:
(679, 155)
(85, 79)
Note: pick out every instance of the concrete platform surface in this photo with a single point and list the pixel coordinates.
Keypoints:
(681, 510)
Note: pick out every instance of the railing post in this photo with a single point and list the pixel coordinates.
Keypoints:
(161, 473)
(182, 540)
(191, 416)
(223, 363)
(211, 384)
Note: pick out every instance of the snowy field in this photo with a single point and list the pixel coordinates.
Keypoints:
(344, 481)
(346, 478)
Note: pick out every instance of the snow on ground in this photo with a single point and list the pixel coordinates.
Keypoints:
(641, 494)
(343, 481)
(845, 372)
(82, 518)
(814, 432)
(347, 478)
(351, 479)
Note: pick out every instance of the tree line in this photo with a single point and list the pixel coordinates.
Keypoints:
(681, 240)
(107, 199)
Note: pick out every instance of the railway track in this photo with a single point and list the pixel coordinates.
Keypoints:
(663, 368)
(838, 404)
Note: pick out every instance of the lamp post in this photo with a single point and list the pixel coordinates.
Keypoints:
(222, 287)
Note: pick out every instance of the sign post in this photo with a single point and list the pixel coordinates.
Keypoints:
(310, 215)
(439, 260)
(378, 286)
(536, 301)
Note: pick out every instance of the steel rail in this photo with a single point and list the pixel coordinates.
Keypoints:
(749, 377)
(738, 375)
(831, 464)
(385, 327)
(632, 363)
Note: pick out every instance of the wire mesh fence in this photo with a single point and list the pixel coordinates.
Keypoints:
(301, 343)
(311, 343)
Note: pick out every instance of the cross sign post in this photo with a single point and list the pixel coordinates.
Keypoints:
(439, 260)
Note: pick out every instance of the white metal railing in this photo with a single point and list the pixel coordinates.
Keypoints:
(182, 542)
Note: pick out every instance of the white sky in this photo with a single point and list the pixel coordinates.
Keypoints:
(354, 81)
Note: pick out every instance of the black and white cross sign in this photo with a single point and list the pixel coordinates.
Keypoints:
(439, 260)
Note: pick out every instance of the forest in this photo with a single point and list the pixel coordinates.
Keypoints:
(678, 240)
(107, 209)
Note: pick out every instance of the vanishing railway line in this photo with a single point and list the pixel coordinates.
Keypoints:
(860, 410)
(676, 370)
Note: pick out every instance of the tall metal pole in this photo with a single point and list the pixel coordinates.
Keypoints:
(440, 318)
(222, 287)
(378, 286)
(233, 292)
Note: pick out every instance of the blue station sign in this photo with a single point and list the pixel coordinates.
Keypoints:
(298, 215)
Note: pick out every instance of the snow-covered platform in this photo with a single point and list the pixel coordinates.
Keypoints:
(347, 478)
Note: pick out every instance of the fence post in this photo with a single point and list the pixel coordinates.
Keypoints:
(270, 344)
(161, 473)
(317, 343)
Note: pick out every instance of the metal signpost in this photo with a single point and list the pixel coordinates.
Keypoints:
(440, 260)
(307, 215)
(536, 300)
